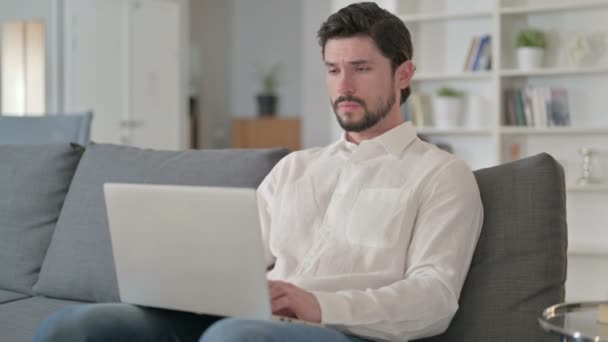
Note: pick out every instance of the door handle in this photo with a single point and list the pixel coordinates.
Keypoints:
(131, 124)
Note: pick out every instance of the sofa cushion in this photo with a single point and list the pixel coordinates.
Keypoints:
(519, 265)
(34, 180)
(79, 263)
(9, 296)
(20, 319)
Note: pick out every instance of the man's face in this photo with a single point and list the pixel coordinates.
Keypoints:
(360, 81)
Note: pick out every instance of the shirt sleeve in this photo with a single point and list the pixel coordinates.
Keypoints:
(266, 193)
(423, 303)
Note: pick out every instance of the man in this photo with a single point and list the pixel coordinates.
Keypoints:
(371, 236)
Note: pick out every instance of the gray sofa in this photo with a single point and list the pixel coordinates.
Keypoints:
(55, 246)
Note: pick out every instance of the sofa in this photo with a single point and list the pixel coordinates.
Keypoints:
(55, 246)
(45, 129)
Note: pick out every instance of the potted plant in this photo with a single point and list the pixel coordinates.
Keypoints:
(267, 100)
(447, 108)
(531, 45)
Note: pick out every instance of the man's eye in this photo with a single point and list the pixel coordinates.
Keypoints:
(332, 71)
(362, 69)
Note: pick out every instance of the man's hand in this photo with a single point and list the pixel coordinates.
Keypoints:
(291, 301)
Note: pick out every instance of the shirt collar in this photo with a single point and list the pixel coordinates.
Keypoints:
(394, 141)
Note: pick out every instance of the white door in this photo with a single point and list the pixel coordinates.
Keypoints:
(122, 61)
(157, 103)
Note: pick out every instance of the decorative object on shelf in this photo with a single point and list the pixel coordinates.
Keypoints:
(514, 152)
(267, 100)
(447, 108)
(579, 50)
(531, 45)
(587, 177)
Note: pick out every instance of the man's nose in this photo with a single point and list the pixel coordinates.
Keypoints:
(346, 84)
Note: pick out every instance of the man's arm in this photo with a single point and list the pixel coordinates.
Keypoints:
(266, 193)
(422, 303)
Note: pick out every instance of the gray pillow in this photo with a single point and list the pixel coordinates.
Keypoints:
(519, 265)
(34, 180)
(79, 264)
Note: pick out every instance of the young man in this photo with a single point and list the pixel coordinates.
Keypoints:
(371, 236)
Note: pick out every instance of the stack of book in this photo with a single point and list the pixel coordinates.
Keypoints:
(479, 56)
(536, 107)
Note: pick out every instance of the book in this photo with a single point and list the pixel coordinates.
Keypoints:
(528, 93)
(485, 57)
(519, 108)
(418, 108)
(484, 40)
(472, 47)
(560, 111)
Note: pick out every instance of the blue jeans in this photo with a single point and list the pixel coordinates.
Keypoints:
(124, 322)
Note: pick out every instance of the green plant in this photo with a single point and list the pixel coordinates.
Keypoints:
(531, 38)
(449, 92)
(270, 79)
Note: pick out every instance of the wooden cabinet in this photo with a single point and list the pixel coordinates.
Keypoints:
(266, 133)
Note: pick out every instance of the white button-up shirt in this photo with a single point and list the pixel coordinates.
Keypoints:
(382, 233)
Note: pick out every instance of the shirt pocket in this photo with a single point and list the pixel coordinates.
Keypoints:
(376, 219)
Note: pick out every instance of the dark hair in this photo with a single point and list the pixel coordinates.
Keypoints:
(367, 19)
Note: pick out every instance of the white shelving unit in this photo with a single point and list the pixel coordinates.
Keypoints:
(548, 7)
(445, 16)
(442, 31)
(588, 188)
(454, 131)
(508, 130)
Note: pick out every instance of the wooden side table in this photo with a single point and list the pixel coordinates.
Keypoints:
(265, 132)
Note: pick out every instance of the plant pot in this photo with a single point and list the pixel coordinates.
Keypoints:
(267, 104)
(447, 111)
(529, 58)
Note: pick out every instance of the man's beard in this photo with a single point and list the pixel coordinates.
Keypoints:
(370, 118)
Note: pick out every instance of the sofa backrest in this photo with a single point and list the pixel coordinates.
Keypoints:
(79, 264)
(47, 129)
(34, 181)
(519, 265)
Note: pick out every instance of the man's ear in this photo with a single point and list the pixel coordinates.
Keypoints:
(405, 72)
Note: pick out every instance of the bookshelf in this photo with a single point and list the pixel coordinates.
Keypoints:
(442, 31)
(453, 131)
(588, 188)
(509, 130)
(444, 16)
(465, 75)
(555, 71)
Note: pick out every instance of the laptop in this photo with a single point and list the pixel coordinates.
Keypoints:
(186, 248)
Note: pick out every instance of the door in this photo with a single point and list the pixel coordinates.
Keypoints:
(157, 105)
(120, 63)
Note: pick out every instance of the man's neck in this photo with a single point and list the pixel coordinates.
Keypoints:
(383, 126)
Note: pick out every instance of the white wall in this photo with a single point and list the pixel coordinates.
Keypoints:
(317, 116)
(44, 10)
(266, 32)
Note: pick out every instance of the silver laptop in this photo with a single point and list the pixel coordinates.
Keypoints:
(195, 249)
